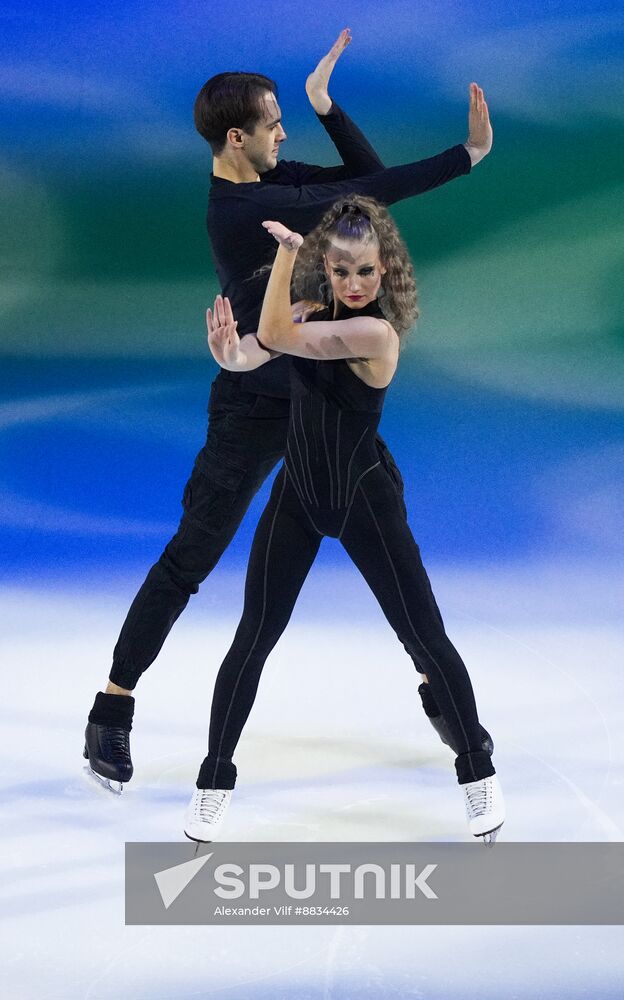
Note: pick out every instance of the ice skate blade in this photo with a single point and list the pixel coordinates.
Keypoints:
(114, 787)
(489, 838)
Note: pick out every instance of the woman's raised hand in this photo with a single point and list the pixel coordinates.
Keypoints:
(223, 339)
(285, 238)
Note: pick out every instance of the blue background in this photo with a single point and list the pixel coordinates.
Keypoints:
(506, 414)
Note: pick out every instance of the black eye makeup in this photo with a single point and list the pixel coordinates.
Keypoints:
(364, 272)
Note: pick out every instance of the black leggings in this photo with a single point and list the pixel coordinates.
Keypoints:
(378, 539)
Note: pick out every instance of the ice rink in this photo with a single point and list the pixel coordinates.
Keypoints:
(337, 748)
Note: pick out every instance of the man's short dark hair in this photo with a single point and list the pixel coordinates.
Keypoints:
(230, 100)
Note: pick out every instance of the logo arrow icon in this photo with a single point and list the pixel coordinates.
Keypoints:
(172, 881)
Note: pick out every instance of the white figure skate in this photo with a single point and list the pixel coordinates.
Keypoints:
(485, 808)
(205, 813)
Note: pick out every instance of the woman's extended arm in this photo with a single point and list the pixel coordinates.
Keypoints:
(276, 319)
(358, 337)
(230, 351)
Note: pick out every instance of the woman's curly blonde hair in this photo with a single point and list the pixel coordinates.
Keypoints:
(362, 219)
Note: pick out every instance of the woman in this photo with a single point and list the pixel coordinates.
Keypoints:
(333, 483)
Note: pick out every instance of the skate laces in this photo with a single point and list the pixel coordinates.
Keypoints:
(118, 741)
(478, 796)
(209, 803)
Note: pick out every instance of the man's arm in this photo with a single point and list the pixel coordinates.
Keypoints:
(356, 152)
(300, 208)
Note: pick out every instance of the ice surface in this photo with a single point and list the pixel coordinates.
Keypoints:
(336, 748)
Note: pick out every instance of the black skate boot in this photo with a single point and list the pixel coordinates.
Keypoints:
(440, 725)
(107, 740)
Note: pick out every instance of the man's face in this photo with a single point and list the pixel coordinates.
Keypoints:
(261, 146)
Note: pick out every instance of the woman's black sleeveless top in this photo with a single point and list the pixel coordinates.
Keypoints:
(333, 422)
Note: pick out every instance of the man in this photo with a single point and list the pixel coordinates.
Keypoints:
(239, 116)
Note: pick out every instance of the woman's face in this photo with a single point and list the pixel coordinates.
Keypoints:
(354, 271)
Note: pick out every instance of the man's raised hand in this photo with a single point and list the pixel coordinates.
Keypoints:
(479, 141)
(318, 80)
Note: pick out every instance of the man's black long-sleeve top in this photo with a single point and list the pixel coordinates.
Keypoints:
(298, 194)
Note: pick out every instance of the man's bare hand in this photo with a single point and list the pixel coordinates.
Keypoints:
(318, 80)
(479, 141)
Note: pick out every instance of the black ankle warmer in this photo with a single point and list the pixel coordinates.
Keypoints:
(478, 763)
(112, 710)
(216, 772)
